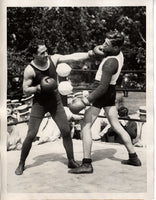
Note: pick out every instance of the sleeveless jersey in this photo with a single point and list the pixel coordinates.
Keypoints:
(39, 74)
(115, 76)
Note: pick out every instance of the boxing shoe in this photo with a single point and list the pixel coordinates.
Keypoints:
(132, 161)
(85, 168)
(72, 164)
(20, 169)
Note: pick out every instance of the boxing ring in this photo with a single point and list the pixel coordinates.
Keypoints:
(47, 172)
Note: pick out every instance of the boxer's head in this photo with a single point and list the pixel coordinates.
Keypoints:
(115, 38)
(38, 50)
(113, 42)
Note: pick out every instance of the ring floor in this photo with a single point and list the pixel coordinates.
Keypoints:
(46, 170)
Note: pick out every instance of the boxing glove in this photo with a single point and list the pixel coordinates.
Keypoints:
(65, 88)
(63, 69)
(48, 85)
(78, 104)
(96, 52)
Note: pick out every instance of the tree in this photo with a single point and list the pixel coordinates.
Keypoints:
(73, 29)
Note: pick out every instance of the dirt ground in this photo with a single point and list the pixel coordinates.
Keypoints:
(47, 172)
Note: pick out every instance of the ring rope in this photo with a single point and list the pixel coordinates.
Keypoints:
(100, 116)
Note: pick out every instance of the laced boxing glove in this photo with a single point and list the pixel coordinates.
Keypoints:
(48, 84)
(78, 104)
(96, 52)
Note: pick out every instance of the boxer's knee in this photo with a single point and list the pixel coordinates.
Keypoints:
(30, 138)
(32, 132)
(65, 131)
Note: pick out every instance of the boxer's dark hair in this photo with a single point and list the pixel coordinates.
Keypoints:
(116, 38)
(33, 45)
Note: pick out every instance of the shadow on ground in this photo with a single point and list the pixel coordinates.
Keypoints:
(52, 157)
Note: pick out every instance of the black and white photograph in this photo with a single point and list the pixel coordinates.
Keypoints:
(77, 101)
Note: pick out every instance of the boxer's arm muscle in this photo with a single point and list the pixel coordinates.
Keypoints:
(109, 68)
(28, 89)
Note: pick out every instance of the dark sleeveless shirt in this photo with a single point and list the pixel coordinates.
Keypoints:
(51, 72)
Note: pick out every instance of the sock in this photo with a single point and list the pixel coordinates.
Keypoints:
(132, 155)
(87, 161)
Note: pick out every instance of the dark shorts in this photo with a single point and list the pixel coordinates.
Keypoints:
(48, 104)
(108, 99)
(57, 112)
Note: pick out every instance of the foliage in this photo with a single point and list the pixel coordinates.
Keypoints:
(73, 29)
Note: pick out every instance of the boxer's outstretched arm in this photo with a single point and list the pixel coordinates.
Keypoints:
(75, 57)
